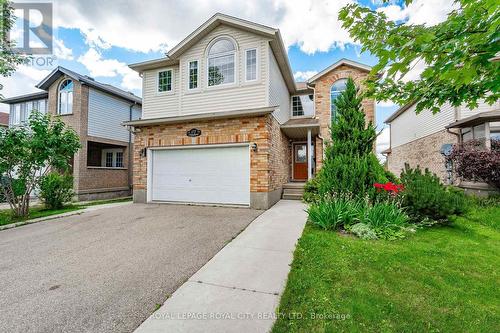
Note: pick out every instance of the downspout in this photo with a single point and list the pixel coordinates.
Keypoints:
(319, 133)
(130, 153)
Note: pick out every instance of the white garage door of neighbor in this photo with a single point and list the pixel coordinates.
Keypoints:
(202, 175)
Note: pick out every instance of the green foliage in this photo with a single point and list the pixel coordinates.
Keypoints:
(56, 189)
(456, 55)
(28, 152)
(363, 231)
(425, 197)
(311, 191)
(9, 59)
(336, 213)
(386, 219)
(350, 166)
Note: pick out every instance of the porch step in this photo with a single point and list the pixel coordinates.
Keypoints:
(293, 191)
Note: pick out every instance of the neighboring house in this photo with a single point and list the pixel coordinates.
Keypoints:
(423, 139)
(4, 119)
(224, 122)
(95, 111)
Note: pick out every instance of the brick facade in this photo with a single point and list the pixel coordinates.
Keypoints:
(423, 152)
(105, 183)
(269, 165)
(322, 102)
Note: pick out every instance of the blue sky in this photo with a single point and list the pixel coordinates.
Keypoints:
(100, 38)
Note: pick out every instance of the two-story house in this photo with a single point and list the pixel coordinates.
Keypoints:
(424, 139)
(224, 122)
(101, 168)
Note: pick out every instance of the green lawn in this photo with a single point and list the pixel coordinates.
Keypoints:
(6, 216)
(441, 279)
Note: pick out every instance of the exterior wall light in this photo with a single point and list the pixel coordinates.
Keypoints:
(254, 147)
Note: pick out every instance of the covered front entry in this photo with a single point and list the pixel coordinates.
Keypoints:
(302, 133)
(218, 174)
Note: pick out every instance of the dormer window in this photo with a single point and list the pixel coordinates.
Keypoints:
(65, 105)
(221, 62)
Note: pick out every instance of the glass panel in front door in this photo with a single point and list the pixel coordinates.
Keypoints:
(301, 153)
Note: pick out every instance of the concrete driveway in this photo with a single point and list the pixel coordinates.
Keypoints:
(106, 270)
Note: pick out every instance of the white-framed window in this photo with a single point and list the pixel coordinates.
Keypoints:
(112, 158)
(251, 65)
(21, 112)
(15, 114)
(65, 105)
(165, 79)
(302, 105)
(337, 88)
(221, 62)
(193, 74)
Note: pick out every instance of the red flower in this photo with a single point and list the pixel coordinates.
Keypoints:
(389, 187)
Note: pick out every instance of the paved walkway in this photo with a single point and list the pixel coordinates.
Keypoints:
(239, 289)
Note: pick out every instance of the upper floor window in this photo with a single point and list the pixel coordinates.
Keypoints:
(337, 88)
(165, 81)
(221, 62)
(21, 112)
(251, 65)
(193, 74)
(65, 105)
(302, 105)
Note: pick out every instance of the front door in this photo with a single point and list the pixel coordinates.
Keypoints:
(299, 161)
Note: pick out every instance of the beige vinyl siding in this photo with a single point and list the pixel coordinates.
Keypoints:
(238, 96)
(409, 126)
(278, 91)
(465, 112)
(159, 104)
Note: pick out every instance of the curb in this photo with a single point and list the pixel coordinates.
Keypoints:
(72, 213)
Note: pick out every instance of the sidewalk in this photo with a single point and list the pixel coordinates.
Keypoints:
(239, 289)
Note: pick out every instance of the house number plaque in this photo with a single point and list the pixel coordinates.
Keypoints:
(193, 132)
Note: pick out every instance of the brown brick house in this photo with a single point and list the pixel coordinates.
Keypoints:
(224, 122)
(95, 111)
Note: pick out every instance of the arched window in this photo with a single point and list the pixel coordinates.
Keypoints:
(337, 88)
(221, 62)
(65, 105)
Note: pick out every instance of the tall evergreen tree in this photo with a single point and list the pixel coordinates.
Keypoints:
(350, 165)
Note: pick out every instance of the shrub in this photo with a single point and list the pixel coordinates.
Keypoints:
(311, 194)
(56, 189)
(335, 213)
(471, 161)
(425, 197)
(363, 231)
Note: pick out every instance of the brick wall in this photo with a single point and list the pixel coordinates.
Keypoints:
(266, 168)
(424, 152)
(322, 102)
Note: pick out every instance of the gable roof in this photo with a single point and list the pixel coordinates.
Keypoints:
(59, 71)
(25, 98)
(398, 112)
(276, 43)
(339, 63)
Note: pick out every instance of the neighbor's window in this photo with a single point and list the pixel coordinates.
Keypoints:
(112, 158)
(65, 105)
(466, 134)
(15, 114)
(302, 105)
(193, 74)
(337, 88)
(221, 62)
(165, 81)
(251, 65)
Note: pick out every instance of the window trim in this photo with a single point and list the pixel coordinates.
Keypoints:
(189, 75)
(59, 97)
(330, 94)
(257, 64)
(105, 151)
(157, 83)
(235, 54)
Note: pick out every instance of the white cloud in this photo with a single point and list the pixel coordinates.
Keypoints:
(427, 12)
(304, 76)
(61, 51)
(383, 142)
(100, 67)
(313, 25)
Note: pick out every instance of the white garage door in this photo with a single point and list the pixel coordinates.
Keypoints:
(203, 175)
